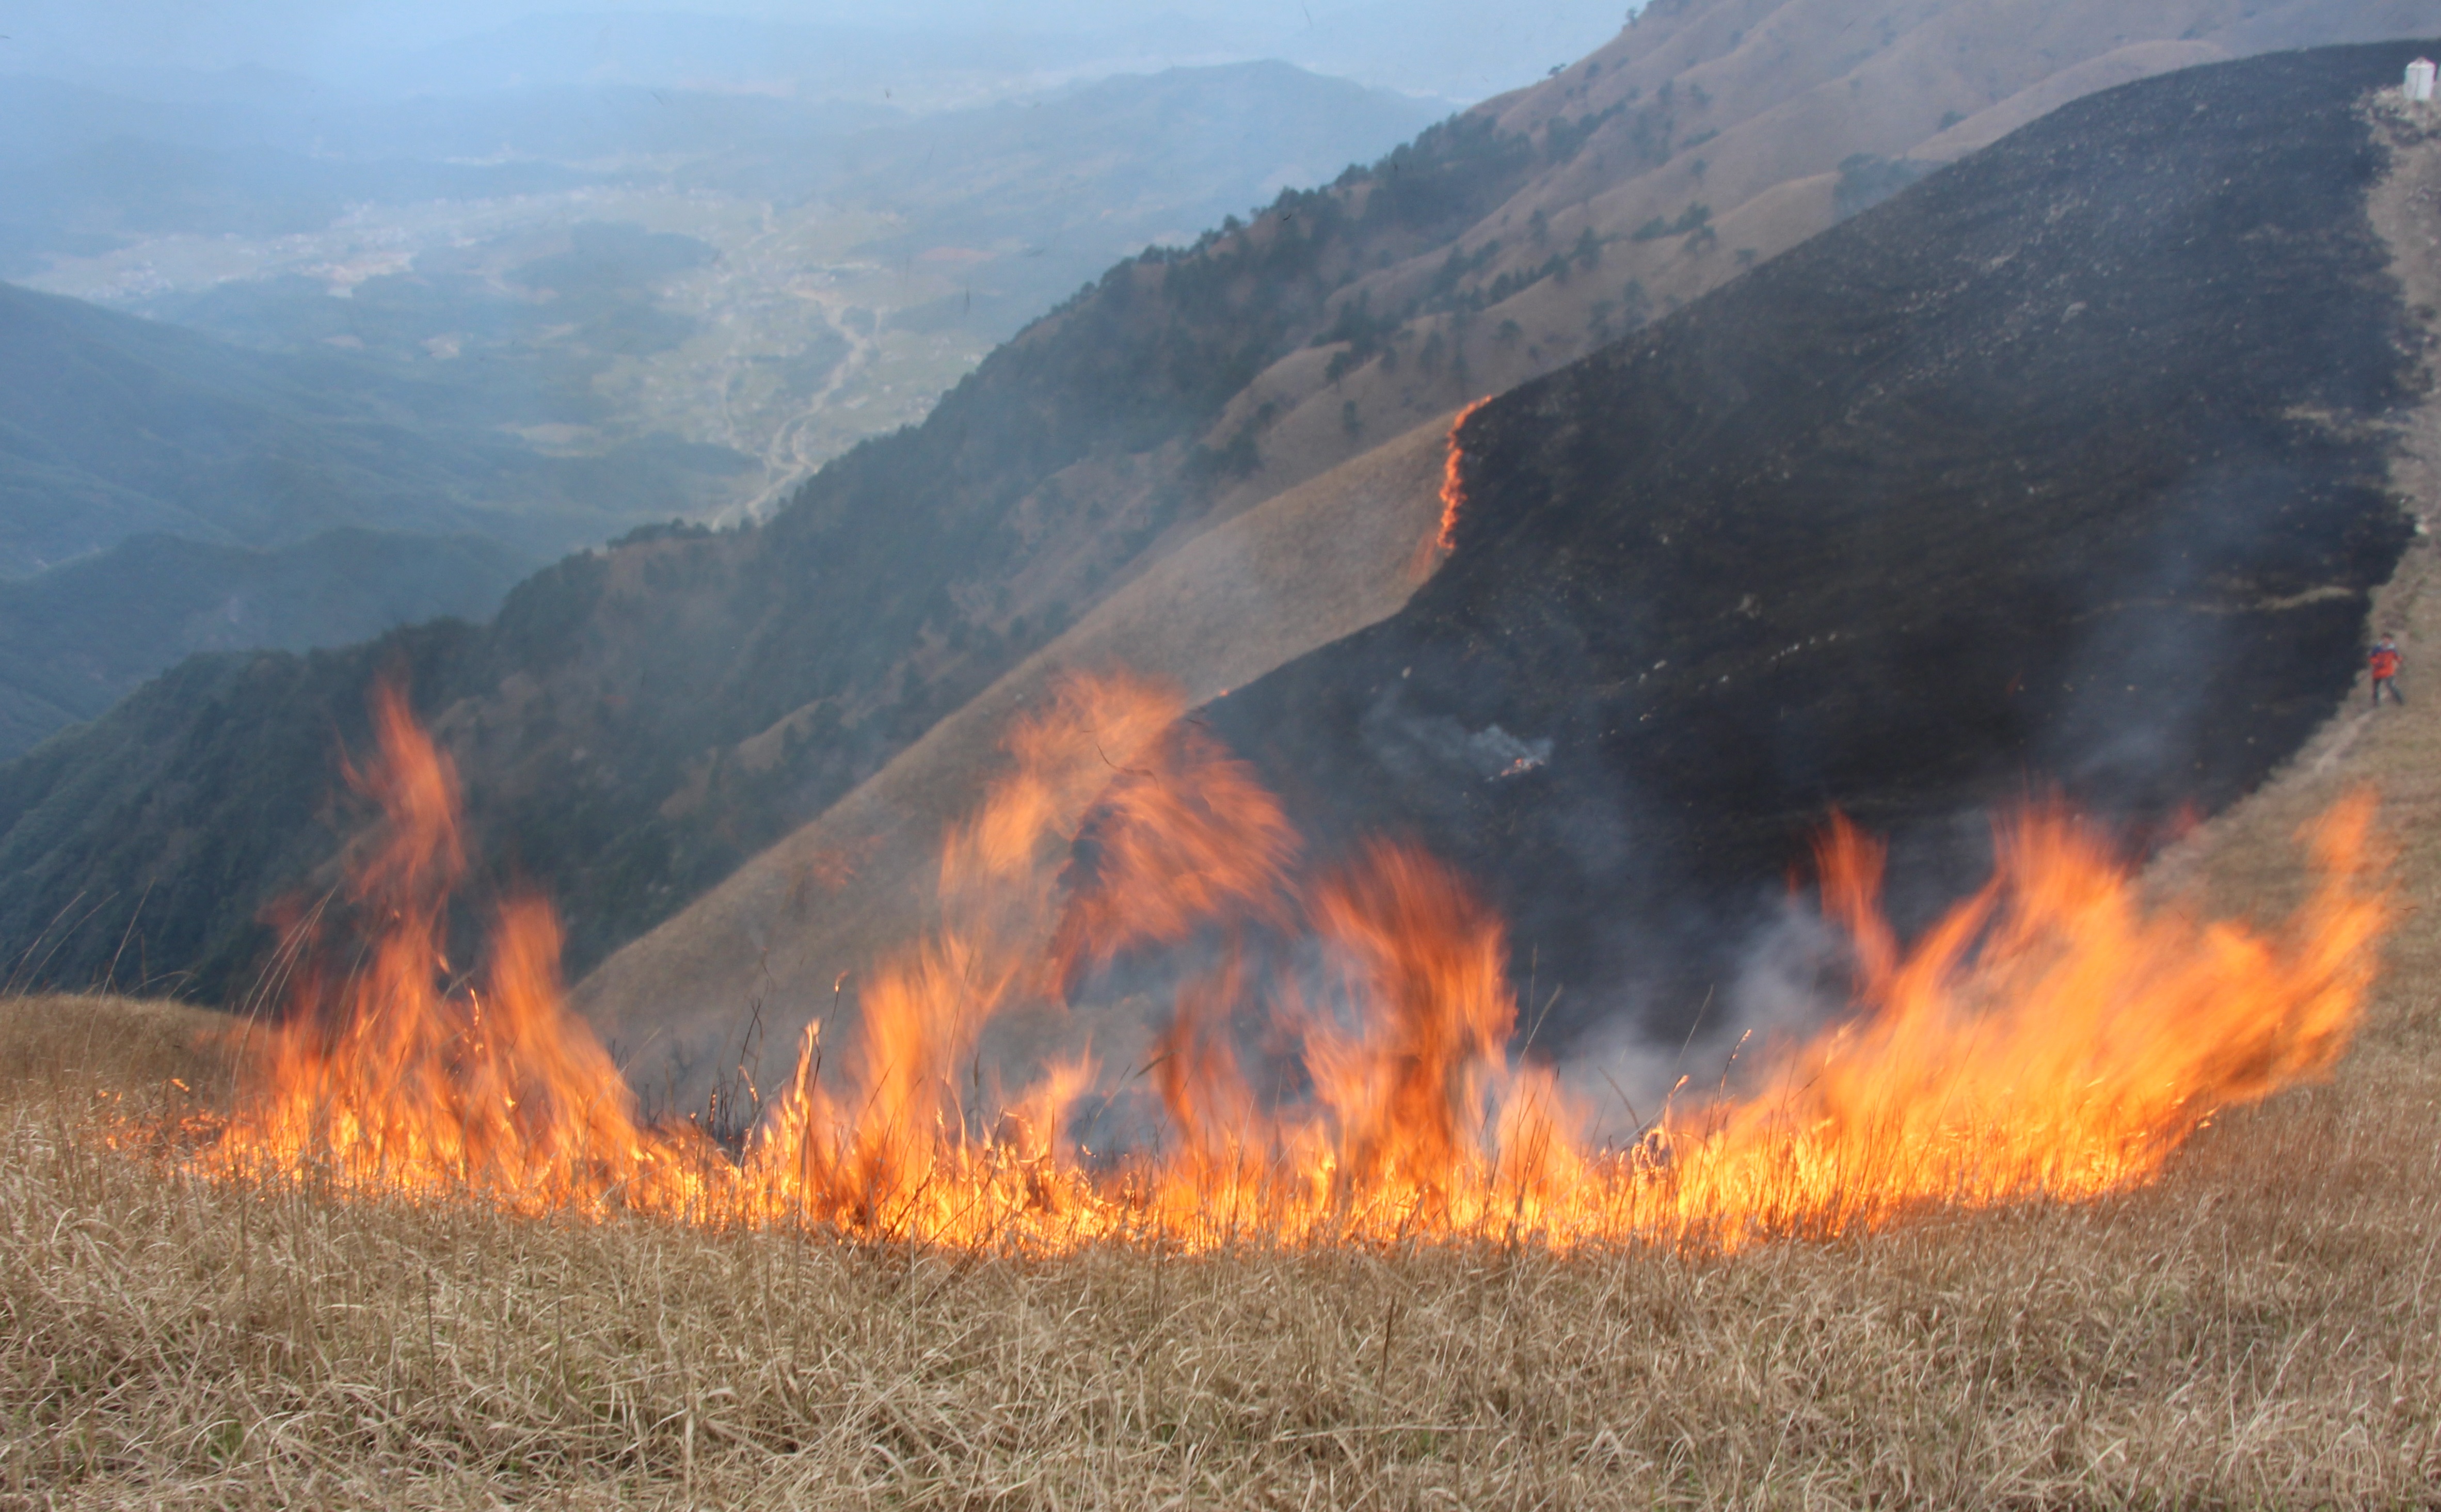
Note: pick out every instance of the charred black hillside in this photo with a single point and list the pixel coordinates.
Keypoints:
(2059, 469)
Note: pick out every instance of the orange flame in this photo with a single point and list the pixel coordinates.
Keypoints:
(2049, 1037)
(1454, 479)
(2052, 1037)
(1432, 553)
(393, 1079)
(1188, 839)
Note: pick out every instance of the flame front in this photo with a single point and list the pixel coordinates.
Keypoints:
(2052, 1037)
(1432, 553)
(1453, 477)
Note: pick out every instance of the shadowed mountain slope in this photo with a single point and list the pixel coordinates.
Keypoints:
(2067, 466)
(75, 640)
(163, 493)
(639, 722)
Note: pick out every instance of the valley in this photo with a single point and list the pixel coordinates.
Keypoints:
(776, 344)
(779, 295)
(637, 307)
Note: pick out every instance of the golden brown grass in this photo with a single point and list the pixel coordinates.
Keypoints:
(2263, 1328)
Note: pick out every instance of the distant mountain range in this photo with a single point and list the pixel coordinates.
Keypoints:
(163, 493)
(933, 57)
(1449, 49)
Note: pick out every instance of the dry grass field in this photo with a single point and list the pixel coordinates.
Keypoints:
(2261, 1327)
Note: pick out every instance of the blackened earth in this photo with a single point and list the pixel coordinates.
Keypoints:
(2064, 470)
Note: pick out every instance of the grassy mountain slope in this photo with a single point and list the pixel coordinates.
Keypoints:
(1320, 561)
(605, 721)
(1704, 139)
(2257, 1319)
(2065, 465)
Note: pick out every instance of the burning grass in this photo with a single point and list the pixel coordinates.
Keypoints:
(2055, 1037)
(1454, 481)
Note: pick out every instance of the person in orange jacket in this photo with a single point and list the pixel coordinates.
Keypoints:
(2384, 662)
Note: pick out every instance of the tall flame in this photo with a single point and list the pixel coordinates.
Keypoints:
(2049, 1037)
(2052, 1037)
(391, 1077)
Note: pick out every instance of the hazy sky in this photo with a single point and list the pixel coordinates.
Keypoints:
(301, 34)
(338, 36)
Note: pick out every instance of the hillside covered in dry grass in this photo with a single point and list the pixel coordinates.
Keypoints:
(2256, 1327)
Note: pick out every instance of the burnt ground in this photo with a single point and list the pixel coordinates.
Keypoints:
(2064, 470)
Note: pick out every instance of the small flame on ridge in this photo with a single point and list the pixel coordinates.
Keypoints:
(1435, 549)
